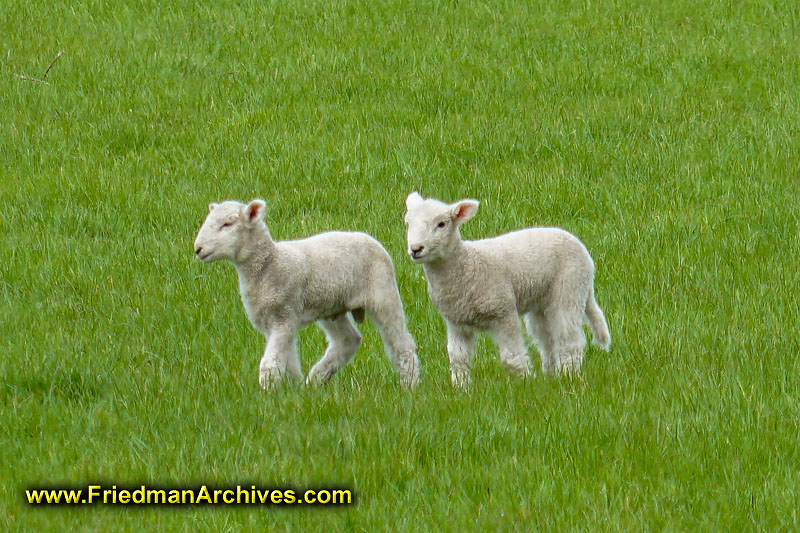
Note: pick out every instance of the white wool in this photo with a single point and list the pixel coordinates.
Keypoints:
(328, 278)
(543, 274)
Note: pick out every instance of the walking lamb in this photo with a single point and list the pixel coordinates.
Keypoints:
(329, 278)
(545, 274)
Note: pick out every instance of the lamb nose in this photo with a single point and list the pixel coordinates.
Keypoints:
(198, 250)
(417, 250)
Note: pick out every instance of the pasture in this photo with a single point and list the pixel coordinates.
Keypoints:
(666, 136)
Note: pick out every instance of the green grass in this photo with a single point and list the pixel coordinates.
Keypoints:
(666, 135)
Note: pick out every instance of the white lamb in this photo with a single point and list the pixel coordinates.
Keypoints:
(545, 274)
(324, 278)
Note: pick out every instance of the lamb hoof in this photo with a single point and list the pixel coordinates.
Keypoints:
(528, 374)
(317, 378)
(269, 378)
(461, 381)
(519, 365)
(524, 373)
(409, 371)
(570, 368)
(548, 370)
(411, 382)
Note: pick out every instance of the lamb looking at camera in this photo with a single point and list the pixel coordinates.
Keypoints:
(545, 274)
(325, 278)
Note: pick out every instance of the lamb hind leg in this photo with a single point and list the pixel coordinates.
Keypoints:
(569, 341)
(537, 328)
(400, 346)
(343, 342)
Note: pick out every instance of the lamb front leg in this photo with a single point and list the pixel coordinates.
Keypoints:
(507, 332)
(460, 342)
(280, 356)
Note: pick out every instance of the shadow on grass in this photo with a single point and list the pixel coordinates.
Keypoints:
(74, 387)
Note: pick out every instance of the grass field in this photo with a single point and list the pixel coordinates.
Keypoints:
(665, 135)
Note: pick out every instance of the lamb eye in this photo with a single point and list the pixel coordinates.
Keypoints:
(227, 225)
(441, 224)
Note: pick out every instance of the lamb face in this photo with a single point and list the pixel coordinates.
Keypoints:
(225, 229)
(433, 226)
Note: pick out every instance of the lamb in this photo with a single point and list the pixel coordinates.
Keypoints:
(329, 278)
(545, 274)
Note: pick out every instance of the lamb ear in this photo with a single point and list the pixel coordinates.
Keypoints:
(254, 211)
(211, 207)
(464, 210)
(413, 200)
